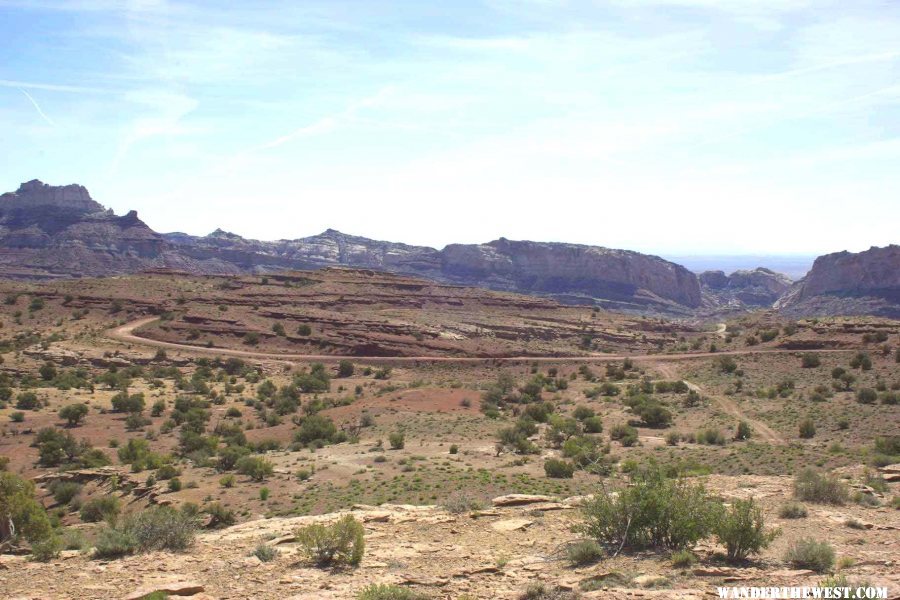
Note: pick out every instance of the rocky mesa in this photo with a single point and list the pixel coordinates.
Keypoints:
(848, 283)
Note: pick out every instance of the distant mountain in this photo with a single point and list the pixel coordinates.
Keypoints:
(757, 288)
(48, 231)
(848, 283)
(794, 266)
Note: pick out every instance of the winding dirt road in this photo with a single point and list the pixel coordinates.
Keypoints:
(126, 333)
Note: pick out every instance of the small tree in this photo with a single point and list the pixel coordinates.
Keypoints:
(810, 360)
(742, 530)
(74, 414)
(345, 368)
(743, 431)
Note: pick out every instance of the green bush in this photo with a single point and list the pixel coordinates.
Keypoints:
(593, 425)
(462, 502)
(625, 434)
(558, 469)
(653, 512)
(583, 552)
(808, 553)
(345, 368)
(397, 440)
(711, 436)
(46, 549)
(807, 429)
(792, 510)
(265, 553)
(810, 360)
(340, 543)
(105, 508)
(161, 528)
(113, 543)
(255, 467)
(541, 591)
(73, 413)
(64, 491)
(219, 516)
(866, 396)
(811, 486)
(385, 591)
(681, 559)
(742, 530)
(743, 432)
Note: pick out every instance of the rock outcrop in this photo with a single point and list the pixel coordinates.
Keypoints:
(48, 231)
(848, 283)
(757, 288)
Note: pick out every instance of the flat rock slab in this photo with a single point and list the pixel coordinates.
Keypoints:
(511, 524)
(520, 499)
(174, 588)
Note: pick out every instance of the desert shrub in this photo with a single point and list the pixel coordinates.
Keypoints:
(711, 436)
(811, 486)
(386, 591)
(653, 512)
(726, 364)
(654, 414)
(593, 425)
(625, 434)
(558, 469)
(104, 508)
(583, 552)
(73, 413)
(73, 539)
(161, 528)
(810, 360)
(227, 481)
(742, 530)
(462, 502)
(743, 432)
(673, 438)
(219, 515)
(174, 484)
(315, 429)
(866, 396)
(113, 543)
(682, 559)
(265, 553)
(397, 440)
(807, 429)
(541, 591)
(792, 510)
(454, 449)
(64, 491)
(345, 368)
(255, 467)
(46, 549)
(340, 543)
(19, 507)
(809, 553)
(17, 416)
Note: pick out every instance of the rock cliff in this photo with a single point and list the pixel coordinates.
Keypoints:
(848, 283)
(755, 288)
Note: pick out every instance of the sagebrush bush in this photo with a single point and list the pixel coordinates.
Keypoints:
(811, 486)
(653, 512)
(265, 553)
(682, 559)
(792, 510)
(113, 543)
(64, 491)
(105, 508)
(385, 591)
(583, 552)
(541, 591)
(339, 543)
(46, 549)
(558, 469)
(462, 502)
(742, 530)
(809, 553)
(256, 468)
(161, 528)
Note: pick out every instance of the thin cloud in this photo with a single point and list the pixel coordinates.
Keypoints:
(37, 107)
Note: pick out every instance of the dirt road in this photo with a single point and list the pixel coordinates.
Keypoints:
(126, 333)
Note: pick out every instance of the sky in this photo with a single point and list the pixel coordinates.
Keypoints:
(667, 126)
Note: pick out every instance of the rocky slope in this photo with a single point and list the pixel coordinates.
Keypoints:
(757, 288)
(48, 231)
(848, 283)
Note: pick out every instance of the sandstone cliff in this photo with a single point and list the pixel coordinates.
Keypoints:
(756, 288)
(848, 283)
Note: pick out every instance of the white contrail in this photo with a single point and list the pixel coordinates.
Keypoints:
(38, 108)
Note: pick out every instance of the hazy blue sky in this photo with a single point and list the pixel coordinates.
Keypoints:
(671, 126)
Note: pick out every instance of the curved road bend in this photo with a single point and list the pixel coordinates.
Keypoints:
(126, 333)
